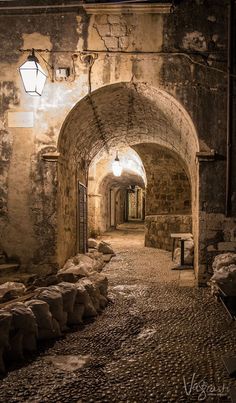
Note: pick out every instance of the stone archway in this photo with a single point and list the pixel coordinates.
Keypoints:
(117, 115)
(102, 186)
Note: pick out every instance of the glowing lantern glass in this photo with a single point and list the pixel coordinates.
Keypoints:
(33, 76)
(116, 166)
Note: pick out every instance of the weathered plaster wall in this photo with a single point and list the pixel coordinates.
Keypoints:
(140, 113)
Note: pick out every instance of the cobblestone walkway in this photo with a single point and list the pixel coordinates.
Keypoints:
(154, 337)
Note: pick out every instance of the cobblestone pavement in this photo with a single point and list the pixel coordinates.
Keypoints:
(152, 336)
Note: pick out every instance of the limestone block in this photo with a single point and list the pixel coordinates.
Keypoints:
(111, 42)
(81, 294)
(123, 42)
(68, 292)
(101, 282)
(107, 258)
(118, 30)
(98, 264)
(11, 290)
(103, 29)
(226, 274)
(15, 351)
(24, 330)
(76, 317)
(5, 323)
(92, 243)
(103, 301)
(105, 248)
(93, 292)
(54, 300)
(224, 267)
(225, 259)
(67, 277)
(98, 260)
(79, 265)
(83, 298)
(43, 318)
(56, 328)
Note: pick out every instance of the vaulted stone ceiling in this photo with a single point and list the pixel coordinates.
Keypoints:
(128, 114)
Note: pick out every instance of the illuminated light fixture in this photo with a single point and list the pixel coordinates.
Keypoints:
(116, 166)
(33, 76)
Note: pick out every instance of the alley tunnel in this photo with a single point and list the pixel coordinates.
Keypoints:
(157, 135)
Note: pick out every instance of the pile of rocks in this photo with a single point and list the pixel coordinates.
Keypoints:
(101, 247)
(79, 291)
(224, 268)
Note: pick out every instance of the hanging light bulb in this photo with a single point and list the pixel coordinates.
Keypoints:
(116, 166)
(32, 75)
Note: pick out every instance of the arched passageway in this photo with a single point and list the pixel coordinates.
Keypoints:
(116, 116)
(109, 195)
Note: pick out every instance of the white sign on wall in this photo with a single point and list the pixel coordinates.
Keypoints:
(20, 119)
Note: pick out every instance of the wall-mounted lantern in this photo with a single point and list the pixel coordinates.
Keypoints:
(116, 166)
(32, 75)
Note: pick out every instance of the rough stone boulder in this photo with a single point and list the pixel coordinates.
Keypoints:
(79, 265)
(67, 277)
(54, 300)
(93, 292)
(10, 290)
(98, 260)
(107, 258)
(223, 260)
(83, 298)
(101, 282)
(44, 319)
(226, 274)
(105, 248)
(23, 331)
(76, 317)
(5, 324)
(75, 310)
(46, 281)
(68, 292)
(224, 270)
(92, 243)
(51, 310)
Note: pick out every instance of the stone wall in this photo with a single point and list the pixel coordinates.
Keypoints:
(159, 227)
(168, 188)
